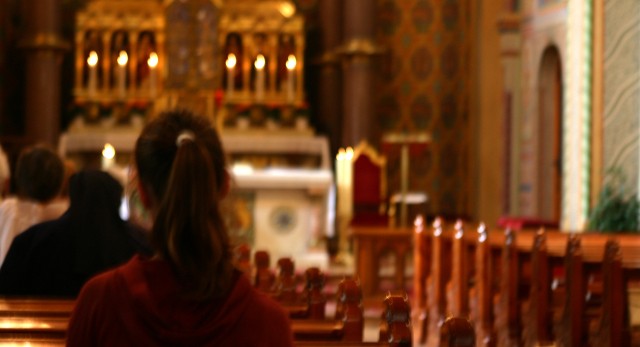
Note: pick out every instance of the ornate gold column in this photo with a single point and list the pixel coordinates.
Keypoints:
(162, 58)
(358, 51)
(79, 61)
(106, 62)
(246, 64)
(44, 46)
(299, 68)
(133, 62)
(273, 63)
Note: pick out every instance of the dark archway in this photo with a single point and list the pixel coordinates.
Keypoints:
(550, 105)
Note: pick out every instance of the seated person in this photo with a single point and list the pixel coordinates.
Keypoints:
(188, 293)
(38, 179)
(57, 257)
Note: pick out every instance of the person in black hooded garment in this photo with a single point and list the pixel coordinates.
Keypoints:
(56, 258)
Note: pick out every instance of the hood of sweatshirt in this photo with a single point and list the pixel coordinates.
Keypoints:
(152, 304)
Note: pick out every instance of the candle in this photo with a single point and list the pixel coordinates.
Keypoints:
(153, 63)
(123, 58)
(108, 156)
(93, 77)
(231, 64)
(348, 185)
(291, 67)
(259, 64)
(340, 181)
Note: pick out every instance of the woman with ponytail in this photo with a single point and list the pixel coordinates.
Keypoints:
(188, 293)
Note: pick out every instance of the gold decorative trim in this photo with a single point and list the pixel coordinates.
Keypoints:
(360, 47)
(45, 41)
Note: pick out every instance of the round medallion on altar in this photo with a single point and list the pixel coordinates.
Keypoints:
(283, 219)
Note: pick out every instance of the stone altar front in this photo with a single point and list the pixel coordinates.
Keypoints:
(282, 190)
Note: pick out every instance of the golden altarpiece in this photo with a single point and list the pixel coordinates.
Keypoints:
(240, 63)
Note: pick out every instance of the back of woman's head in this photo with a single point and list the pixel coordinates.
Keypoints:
(39, 173)
(181, 165)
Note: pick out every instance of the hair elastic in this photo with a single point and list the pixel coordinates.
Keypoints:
(185, 135)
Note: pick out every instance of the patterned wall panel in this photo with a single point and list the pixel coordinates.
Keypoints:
(424, 88)
(622, 89)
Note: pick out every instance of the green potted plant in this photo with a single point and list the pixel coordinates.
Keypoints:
(616, 210)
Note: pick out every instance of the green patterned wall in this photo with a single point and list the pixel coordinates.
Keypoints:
(425, 88)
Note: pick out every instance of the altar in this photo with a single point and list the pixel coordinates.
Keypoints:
(238, 63)
(282, 187)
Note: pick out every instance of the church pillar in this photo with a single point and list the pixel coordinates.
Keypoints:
(133, 62)
(79, 38)
(44, 45)
(357, 57)
(330, 92)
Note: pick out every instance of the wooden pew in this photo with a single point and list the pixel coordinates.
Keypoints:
(620, 267)
(264, 276)
(571, 329)
(457, 332)
(38, 322)
(547, 255)
(462, 260)
(481, 296)
(347, 327)
(40, 307)
(527, 302)
(438, 278)
(421, 268)
(514, 286)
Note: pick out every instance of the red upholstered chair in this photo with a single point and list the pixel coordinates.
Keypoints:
(369, 187)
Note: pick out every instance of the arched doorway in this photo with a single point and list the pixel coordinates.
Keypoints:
(550, 135)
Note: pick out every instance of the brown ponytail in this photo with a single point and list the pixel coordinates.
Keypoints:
(185, 177)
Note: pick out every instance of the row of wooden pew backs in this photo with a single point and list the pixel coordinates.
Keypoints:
(525, 287)
(44, 321)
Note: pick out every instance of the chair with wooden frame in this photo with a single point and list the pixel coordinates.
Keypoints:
(369, 187)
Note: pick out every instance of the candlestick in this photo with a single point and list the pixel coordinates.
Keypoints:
(153, 63)
(291, 67)
(93, 77)
(123, 58)
(259, 64)
(108, 156)
(231, 64)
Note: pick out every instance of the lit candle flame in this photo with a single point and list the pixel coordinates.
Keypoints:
(93, 58)
(260, 62)
(291, 62)
(231, 61)
(153, 60)
(123, 58)
(341, 154)
(349, 153)
(108, 152)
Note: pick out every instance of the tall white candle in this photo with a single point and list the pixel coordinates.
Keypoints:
(348, 186)
(153, 64)
(108, 156)
(92, 61)
(123, 58)
(231, 64)
(259, 64)
(340, 181)
(291, 74)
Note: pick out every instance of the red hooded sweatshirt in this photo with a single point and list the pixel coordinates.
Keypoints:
(138, 304)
